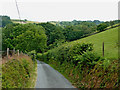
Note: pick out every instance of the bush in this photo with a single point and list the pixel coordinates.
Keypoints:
(17, 73)
(39, 56)
(66, 53)
(101, 27)
(32, 54)
(87, 59)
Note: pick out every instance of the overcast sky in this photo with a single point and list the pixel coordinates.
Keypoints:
(61, 10)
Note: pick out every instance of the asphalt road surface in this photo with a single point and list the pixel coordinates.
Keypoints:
(47, 77)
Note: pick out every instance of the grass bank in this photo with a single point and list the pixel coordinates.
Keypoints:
(110, 39)
(101, 76)
(19, 73)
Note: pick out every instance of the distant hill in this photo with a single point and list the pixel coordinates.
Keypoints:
(74, 22)
(23, 21)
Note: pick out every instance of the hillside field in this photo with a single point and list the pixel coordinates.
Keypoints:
(110, 39)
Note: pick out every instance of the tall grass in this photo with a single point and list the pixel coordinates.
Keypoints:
(19, 73)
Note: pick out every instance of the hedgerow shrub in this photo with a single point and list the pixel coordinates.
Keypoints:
(83, 67)
(66, 53)
(103, 75)
(42, 57)
(77, 54)
(39, 56)
(87, 59)
(32, 54)
(16, 73)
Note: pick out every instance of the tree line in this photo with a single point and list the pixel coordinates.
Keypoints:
(45, 36)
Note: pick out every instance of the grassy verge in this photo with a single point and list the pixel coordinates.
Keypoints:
(103, 75)
(32, 80)
(19, 73)
(0, 77)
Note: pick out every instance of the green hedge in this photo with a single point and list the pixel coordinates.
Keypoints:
(80, 65)
(66, 53)
(16, 73)
(77, 54)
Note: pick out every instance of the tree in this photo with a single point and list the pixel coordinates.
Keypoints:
(4, 20)
(111, 23)
(101, 27)
(53, 32)
(25, 37)
(33, 39)
(25, 20)
(97, 22)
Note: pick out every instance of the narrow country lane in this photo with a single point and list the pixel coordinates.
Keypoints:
(49, 78)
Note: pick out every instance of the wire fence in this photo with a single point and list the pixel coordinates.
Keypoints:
(10, 54)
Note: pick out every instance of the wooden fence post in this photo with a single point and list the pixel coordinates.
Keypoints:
(14, 51)
(7, 52)
(21, 52)
(18, 52)
(103, 49)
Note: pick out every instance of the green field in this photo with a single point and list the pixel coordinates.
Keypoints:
(18, 21)
(110, 39)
